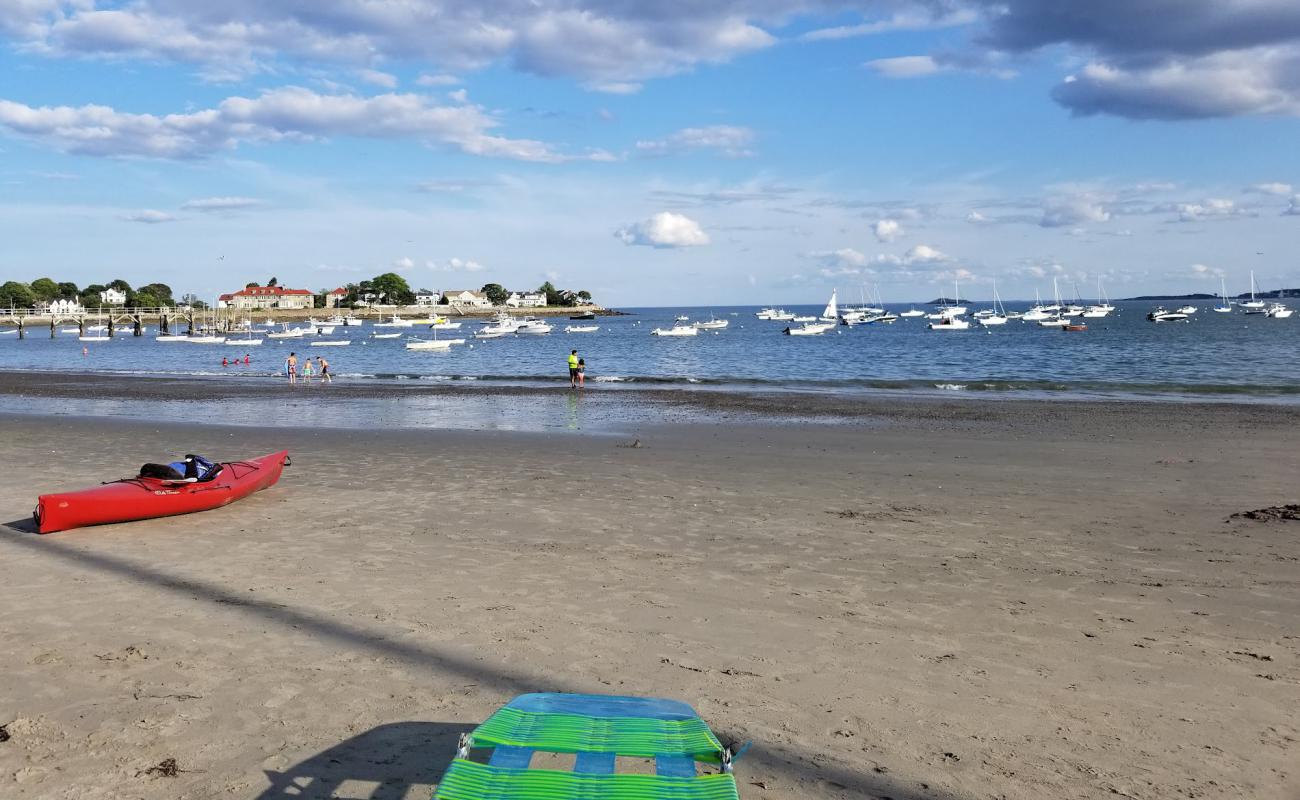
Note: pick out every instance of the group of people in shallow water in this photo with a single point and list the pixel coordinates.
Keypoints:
(236, 361)
(308, 367)
(577, 370)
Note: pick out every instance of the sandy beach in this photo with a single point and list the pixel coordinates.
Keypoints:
(923, 600)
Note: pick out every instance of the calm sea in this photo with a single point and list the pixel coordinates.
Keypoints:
(1228, 356)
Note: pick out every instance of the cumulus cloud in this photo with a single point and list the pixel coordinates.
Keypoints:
(1268, 188)
(730, 140)
(1071, 212)
(378, 78)
(887, 230)
(290, 113)
(844, 261)
(903, 20)
(593, 41)
(976, 218)
(1204, 271)
(664, 230)
(148, 216)
(455, 265)
(217, 204)
(1210, 208)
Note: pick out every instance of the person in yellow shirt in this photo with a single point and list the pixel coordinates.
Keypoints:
(573, 369)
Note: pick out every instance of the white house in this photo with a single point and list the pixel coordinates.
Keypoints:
(466, 297)
(267, 297)
(335, 298)
(60, 307)
(526, 300)
(113, 297)
(424, 297)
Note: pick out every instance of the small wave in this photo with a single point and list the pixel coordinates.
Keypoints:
(610, 379)
(951, 387)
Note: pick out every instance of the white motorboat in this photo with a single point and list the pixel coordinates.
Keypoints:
(1279, 311)
(384, 335)
(581, 328)
(249, 342)
(291, 333)
(490, 333)
(681, 318)
(332, 343)
(807, 318)
(1053, 322)
(1073, 311)
(1162, 315)
(70, 330)
(444, 325)
(351, 321)
(676, 330)
(396, 322)
(104, 338)
(712, 324)
(765, 313)
(168, 337)
(324, 330)
(885, 317)
(950, 323)
(206, 339)
(911, 312)
(1186, 310)
(533, 325)
(809, 329)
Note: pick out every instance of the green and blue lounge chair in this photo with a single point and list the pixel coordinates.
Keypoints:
(597, 729)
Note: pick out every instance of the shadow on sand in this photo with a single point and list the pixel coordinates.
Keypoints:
(806, 768)
(384, 763)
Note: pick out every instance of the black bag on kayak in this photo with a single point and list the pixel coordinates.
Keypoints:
(163, 472)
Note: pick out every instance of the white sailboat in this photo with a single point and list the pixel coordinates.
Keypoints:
(1252, 306)
(1224, 306)
(998, 314)
(832, 311)
(1102, 307)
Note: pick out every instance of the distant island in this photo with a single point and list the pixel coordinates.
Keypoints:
(1275, 294)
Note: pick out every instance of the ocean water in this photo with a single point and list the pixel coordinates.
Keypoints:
(1228, 356)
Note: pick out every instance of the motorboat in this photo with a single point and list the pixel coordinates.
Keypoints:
(1279, 311)
(1161, 315)
(1186, 310)
(169, 337)
(490, 333)
(582, 316)
(884, 317)
(676, 330)
(246, 342)
(429, 344)
(911, 312)
(324, 330)
(396, 322)
(682, 318)
(353, 322)
(1075, 327)
(712, 324)
(1053, 322)
(581, 328)
(384, 335)
(1073, 311)
(100, 338)
(809, 329)
(288, 333)
(445, 325)
(809, 318)
(950, 323)
(333, 343)
(531, 325)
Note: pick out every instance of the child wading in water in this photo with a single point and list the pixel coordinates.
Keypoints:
(307, 369)
(325, 376)
(582, 372)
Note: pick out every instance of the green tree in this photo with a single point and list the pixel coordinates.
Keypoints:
(252, 285)
(496, 293)
(319, 299)
(16, 295)
(394, 288)
(120, 285)
(68, 289)
(90, 296)
(45, 289)
(273, 282)
(161, 291)
(552, 294)
(584, 295)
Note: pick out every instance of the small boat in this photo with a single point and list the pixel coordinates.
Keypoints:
(911, 312)
(586, 315)
(324, 330)
(676, 330)
(244, 342)
(1053, 322)
(489, 333)
(683, 318)
(952, 323)
(429, 344)
(1075, 326)
(1279, 311)
(530, 325)
(396, 322)
(1161, 315)
(712, 324)
(206, 339)
(291, 333)
(94, 338)
(384, 335)
(96, 328)
(146, 498)
(809, 329)
(1186, 310)
(353, 322)
(444, 325)
(169, 337)
(1224, 306)
(997, 315)
(832, 311)
(810, 318)
(1252, 306)
(333, 343)
(581, 328)
(9, 330)
(70, 330)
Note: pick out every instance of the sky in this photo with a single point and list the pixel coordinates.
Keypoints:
(681, 152)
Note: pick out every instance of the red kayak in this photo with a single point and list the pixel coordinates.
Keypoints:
(146, 498)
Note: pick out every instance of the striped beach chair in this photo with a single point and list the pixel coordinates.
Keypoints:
(689, 761)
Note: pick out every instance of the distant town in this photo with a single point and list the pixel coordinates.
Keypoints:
(45, 296)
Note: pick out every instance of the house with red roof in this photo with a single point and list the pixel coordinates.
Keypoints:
(262, 297)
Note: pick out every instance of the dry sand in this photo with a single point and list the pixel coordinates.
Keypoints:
(950, 601)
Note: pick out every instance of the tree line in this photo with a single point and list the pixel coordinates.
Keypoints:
(16, 294)
(392, 289)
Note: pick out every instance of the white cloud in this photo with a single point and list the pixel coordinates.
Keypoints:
(924, 254)
(455, 265)
(905, 66)
(976, 218)
(459, 96)
(290, 113)
(730, 140)
(1070, 212)
(844, 261)
(377, 78)
(1204, 271)
(1293, 207)
(404, 264)
(215, 204)
(887, 230)
(614, 87)
(1268, 188)
(663, 230)
(1212, 207)
(440, 79)
(910, 20)
(148, 216)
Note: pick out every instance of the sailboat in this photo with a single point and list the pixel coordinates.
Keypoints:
(950, 311)
(1054, 320)
(1103, 306)
(1224, 306)
(1037, 312)
(1252, 306)
(832, 311)
(998, 315)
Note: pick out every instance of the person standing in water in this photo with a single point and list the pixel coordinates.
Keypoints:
(291, 368)
(325, 376)
(307, 370)
(582, 372)
(573, 369)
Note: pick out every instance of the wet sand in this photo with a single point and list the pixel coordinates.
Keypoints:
(929, 600)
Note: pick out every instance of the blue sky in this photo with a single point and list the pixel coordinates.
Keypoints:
(684, 153)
